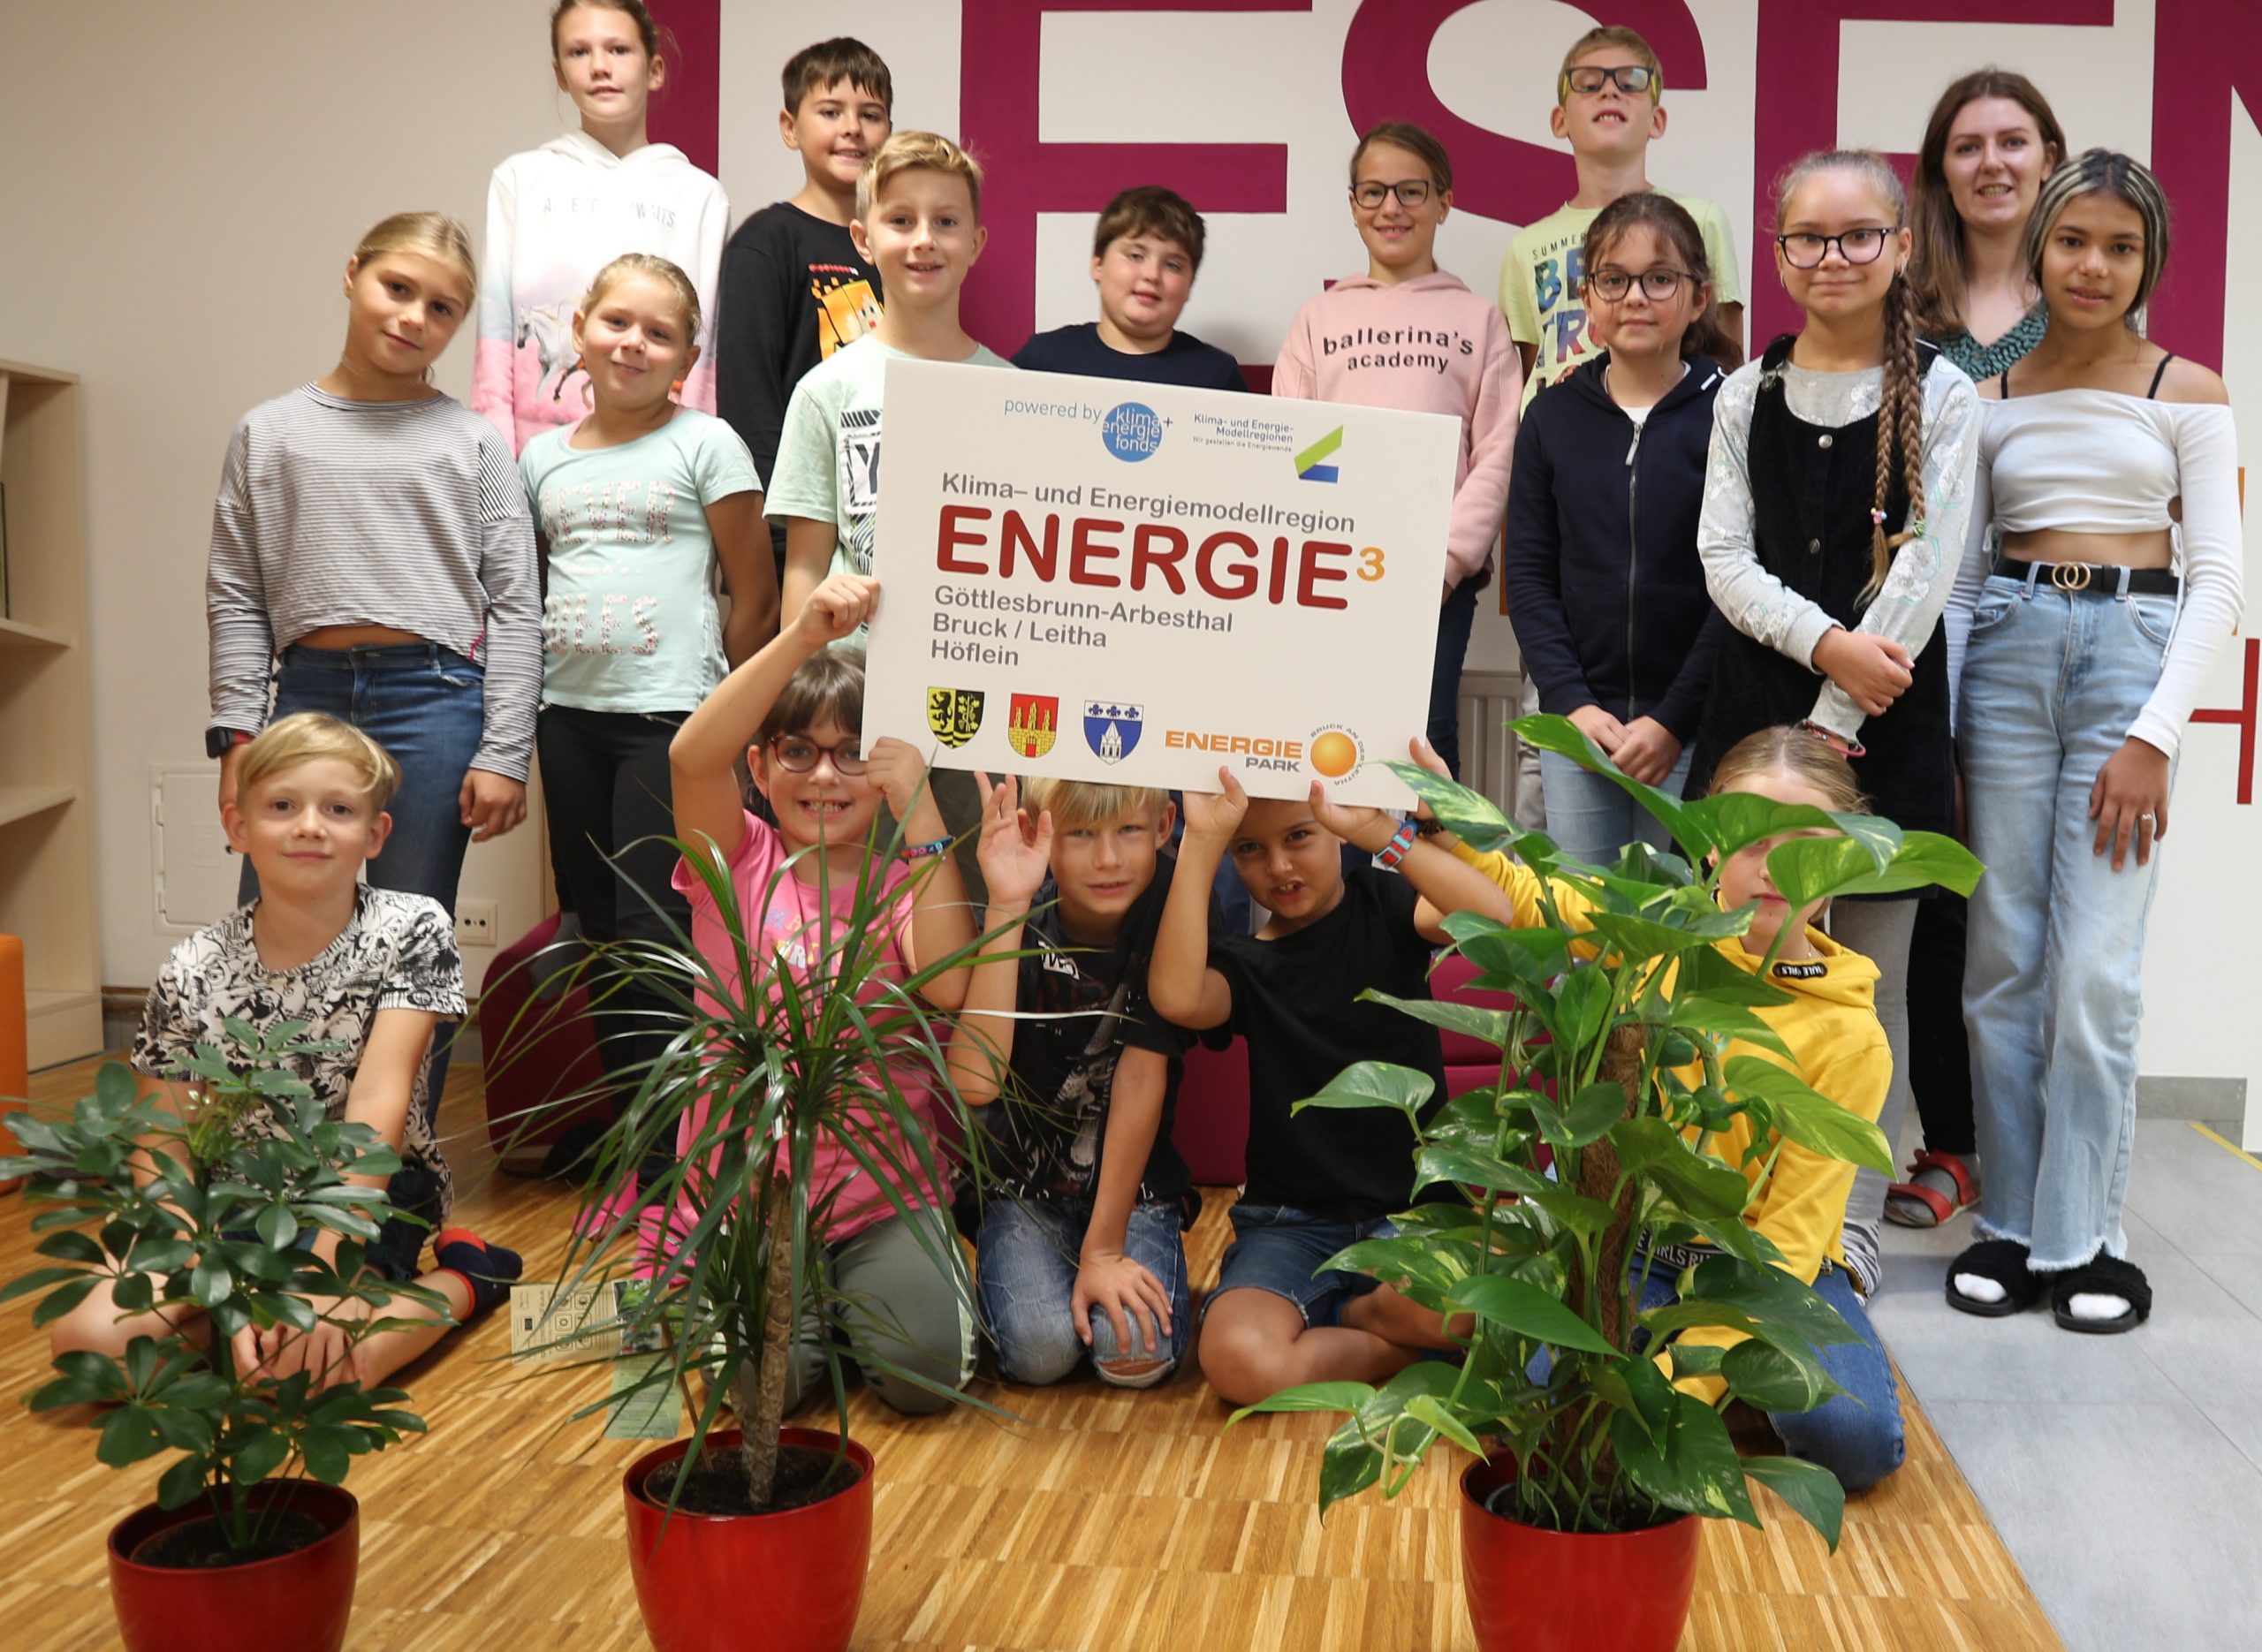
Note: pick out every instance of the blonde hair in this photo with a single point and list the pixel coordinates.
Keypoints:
(434, 234)
(910, 151)
(305, 737)
(1901, 404)
(1797, 752)
(660, 269)
(1076, 804)
(1610, 34)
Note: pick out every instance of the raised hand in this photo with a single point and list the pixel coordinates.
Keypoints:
(1217, 815)
(895, 767)
(1015, 852)
(1369, 827)
(837, 607)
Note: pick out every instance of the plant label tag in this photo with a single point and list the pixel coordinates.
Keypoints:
(553, 1324)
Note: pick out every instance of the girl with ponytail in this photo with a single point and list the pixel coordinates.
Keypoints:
(1835, 501)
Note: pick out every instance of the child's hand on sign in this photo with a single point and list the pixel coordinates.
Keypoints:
(895, 767)
(1370, 828)
(1014, 853)
(836, 608)
(1217, 815)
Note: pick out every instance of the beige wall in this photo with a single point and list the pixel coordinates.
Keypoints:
(179, 187)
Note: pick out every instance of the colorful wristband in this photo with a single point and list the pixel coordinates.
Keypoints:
(1835, 741)
(1394, 850)
(921, 851)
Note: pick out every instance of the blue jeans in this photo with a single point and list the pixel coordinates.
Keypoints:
(2052, 989)
(1593, 819)
(1455, 620)
(1280, 1248)
(1025, 1273)
(425, 706)
(1856, 1435)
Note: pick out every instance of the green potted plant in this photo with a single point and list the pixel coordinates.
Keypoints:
(253, 1541)
(1593, 1467)
(765, 1062)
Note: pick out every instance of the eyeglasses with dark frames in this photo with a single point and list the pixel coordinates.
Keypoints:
(1411, 191)
(1590, 77)
(797, 754)
(1806, 250)
(1656, 284)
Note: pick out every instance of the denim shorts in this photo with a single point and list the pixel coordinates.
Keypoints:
(1282, 1249)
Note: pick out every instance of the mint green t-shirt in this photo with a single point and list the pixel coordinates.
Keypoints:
(630, 623)
(828, 456)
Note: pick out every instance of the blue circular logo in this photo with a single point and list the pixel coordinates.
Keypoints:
(1131, 431)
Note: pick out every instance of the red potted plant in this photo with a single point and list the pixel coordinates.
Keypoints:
(253, 1541)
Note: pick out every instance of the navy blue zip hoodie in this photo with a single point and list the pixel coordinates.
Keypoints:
(1600, 570)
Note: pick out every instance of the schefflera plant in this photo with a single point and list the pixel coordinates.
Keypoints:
(1610, 1010)
(218, 1227)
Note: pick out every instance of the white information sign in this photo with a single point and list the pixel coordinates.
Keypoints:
(1138, 584)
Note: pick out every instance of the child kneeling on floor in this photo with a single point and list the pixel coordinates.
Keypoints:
(1080, 1245)
(1332, 1177)
(1837, 1046)
(795, 711)
(369, 971)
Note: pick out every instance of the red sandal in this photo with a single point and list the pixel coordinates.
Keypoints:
(1931, 1199)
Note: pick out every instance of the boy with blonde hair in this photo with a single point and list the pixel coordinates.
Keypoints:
(1080, 1248)
(1609, 104)
(795, 289)
(372, 971)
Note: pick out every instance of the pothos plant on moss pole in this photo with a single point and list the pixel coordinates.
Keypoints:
(1610, 1010)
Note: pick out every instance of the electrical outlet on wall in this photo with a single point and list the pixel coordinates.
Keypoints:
(477, 923)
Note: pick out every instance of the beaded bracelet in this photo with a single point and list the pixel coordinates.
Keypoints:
(921, 851)
(1394, 850)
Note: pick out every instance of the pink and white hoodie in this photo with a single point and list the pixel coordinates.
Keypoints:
(555, 216)
(1428, 344)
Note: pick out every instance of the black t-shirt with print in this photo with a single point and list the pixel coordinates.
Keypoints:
(1185, 360)
(1047, 1140)
(1296, 1000)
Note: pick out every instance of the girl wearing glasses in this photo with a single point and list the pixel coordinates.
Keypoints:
(2090, 634)
(1835, 501)
(1602, 576)
(1408, 335)
(638, 504)
(796, 712)
(1991, 142)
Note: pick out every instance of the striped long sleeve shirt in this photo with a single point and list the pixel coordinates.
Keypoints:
(405, 514)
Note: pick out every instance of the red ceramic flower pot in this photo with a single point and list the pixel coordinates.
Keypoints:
(299, 1600)
(1538, 1591)
(805, 1567)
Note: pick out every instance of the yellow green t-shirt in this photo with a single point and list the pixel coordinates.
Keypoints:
(1539, 282)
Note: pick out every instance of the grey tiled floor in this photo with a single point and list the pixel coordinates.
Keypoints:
(2125, 1472)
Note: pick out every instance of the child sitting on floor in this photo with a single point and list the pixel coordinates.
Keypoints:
(1078, 1248)
(794, 710)
(372, 971)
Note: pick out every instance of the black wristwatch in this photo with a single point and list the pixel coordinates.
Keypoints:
(218, 742)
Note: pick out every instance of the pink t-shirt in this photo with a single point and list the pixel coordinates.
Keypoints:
(793, 928)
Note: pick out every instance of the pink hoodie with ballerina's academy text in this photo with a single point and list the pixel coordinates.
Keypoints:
(1428, 344)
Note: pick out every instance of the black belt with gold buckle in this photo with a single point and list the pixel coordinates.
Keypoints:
(2091, 578)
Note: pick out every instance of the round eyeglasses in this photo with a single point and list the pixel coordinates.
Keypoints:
(798, 755)
(1656, 284)
(1805, 250)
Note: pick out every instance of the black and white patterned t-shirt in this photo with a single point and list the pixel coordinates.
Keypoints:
(398, 952)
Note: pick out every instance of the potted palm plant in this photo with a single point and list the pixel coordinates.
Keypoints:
(1590, 1154)
(768, 1062)
(253, 1540)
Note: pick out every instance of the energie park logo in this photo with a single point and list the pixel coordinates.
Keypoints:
(1131, 431)
(1033, 723)
(1112, 727)
(1308, 465)
(954, 715)
(1335, 751)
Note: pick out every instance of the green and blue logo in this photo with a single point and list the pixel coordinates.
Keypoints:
(1308, 467)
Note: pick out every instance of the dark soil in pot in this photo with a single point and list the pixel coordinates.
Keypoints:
(203, 1543)
(804, 1477)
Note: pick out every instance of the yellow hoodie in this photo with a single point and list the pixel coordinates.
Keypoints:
(1837, 1045)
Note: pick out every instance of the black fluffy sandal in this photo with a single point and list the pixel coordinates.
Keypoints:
(2003, 1260)
(2107, 1275)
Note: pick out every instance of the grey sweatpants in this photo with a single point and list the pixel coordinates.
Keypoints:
(888, 1302)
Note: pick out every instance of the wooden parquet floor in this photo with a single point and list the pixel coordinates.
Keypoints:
(1101, 1521)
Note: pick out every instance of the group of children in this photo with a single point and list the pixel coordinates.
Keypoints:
(1729, 575)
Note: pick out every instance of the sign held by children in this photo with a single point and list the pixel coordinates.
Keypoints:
(1139, 583)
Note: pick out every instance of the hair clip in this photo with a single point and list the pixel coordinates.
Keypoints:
(1878, 518)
